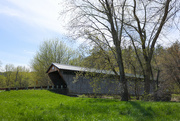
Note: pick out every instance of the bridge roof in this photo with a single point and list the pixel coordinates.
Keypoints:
(82, 69)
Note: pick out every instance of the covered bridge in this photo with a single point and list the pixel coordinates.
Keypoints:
(64, 76)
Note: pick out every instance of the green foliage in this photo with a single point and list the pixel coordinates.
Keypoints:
(100, 59)
(2, 81)
(51, 51)
(147, 97)
(169, 61)
(16, 77)
(131, 64)
(43, 105)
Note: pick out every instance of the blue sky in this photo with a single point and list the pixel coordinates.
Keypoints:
(24, 25)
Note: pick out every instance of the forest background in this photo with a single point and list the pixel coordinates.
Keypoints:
(165, 64)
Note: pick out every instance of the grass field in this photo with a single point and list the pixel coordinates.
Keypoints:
(43, 105)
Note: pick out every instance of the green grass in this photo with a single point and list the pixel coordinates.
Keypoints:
(43, 105)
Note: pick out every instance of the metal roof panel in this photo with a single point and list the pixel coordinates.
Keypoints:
(77, 68)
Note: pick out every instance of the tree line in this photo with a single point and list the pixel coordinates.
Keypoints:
(165, 67)
(19, 76)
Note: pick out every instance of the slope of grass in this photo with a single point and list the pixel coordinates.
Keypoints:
(43, 105)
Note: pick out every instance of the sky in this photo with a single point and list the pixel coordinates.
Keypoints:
(24, 25)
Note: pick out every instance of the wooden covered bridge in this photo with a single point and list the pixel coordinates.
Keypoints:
(64, 77)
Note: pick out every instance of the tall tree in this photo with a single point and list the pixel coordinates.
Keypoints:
(145, 21)
(101, 23)
(51, 51)
(22, 77)
(2, 80)
(9, 68)
(169, 61)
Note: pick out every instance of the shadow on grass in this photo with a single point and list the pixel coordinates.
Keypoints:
(59, 91)
(62, 92)
(82, 111)
(95, 106)
(141, 112)
(130, 110)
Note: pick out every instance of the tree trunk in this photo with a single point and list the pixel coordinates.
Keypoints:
(147, 79)
(16, 76)
(124, 95)
(122, 79)
(157, 79)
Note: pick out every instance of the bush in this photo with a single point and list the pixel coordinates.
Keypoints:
(147, 97)
(161, 95)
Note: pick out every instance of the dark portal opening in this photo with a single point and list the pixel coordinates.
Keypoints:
(57, 79)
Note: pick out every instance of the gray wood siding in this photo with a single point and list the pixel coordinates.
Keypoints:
(83, 86)
(65, 75)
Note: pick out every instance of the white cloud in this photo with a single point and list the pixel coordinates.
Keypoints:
(28, 52)
(40, 13)
(8, 11)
